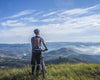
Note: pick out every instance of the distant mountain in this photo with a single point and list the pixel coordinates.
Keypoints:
(58, 56)
(87, 58)
(14, 50)
(21, 50)
(71, 50)
(60, 52)
(67, 53)
(54, 54)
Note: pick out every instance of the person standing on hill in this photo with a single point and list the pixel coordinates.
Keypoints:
(36, 50)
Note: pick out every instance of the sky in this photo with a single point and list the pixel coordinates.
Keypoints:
(58, 20)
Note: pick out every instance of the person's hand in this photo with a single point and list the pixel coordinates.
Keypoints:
(46, 49)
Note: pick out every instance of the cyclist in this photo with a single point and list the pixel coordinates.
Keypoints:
(36, 50)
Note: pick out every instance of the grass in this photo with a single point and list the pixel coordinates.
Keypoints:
(66, 71)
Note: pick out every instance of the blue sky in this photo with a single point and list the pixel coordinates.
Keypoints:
(58, 20)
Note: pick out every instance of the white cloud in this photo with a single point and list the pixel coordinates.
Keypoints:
(49, 20)
(66, 15)
(38, 13)
(51, 13)
(12, 23)
(30, 19)
(59, 28)
(26, 12)
(80, 10)
(17, 32)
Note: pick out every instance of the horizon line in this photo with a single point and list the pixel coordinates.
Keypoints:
(53, 42)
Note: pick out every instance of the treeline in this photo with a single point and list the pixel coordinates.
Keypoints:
(19, 63)
(64, 60)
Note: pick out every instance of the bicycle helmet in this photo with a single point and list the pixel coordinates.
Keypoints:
(36, 31)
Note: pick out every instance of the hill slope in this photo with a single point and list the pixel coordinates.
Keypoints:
(68, 53)
(56, 72)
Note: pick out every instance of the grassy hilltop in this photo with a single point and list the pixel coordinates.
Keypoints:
(66, 71)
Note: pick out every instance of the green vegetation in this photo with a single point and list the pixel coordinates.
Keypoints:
(66, 71)
(12, 63)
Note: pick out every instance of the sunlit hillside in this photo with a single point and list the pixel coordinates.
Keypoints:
(66, 71)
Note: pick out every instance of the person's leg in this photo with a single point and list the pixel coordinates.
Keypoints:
(38, 62)
(37, 71)
(38, 67)
(33, 68)
(33, 63)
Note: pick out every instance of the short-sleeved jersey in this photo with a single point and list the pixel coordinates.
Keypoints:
(36, 43)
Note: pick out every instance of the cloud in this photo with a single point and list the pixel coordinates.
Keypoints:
(22, 13)
(16, 31)
(38, 13)
(80, 10)
(16, 35)
(49, 20)
(51, 13)
(12, 23)
(60, 27)
(65, 15)
(54, 32)
(30, 19)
